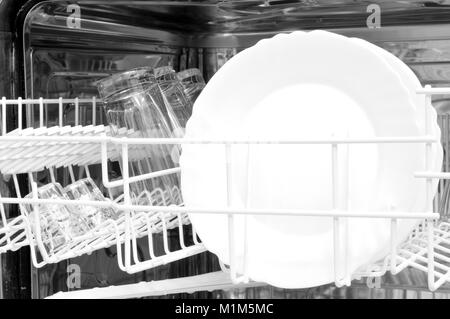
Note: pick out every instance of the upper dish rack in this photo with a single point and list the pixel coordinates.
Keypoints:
(427, 249)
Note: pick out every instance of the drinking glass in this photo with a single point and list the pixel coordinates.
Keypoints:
(86, 189)
(140, 110)
(122, 124)
(138, 78)
(177, 102)
(192, 82)
(59, 224)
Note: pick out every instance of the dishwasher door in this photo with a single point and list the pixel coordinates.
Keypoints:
(63, 47)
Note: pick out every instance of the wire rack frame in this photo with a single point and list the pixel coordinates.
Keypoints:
(18, 232)
(423, 250)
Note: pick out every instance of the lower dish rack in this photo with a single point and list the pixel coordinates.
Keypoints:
(427, 248)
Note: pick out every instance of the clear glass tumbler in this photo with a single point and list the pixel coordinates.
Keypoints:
(138, 78)
(86, 189)
(59, 224)
(140, 111)
(192, 82)
(178, 103)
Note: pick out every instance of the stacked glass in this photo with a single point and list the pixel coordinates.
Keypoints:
(86, 189)
(192, 82)
(173, 93)
(135, 107)
(59, 224)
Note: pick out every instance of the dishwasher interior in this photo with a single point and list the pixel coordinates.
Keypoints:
(64, 47)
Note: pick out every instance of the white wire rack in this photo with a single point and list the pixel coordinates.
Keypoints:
(29, 150)
(13, 234)
(427, 249)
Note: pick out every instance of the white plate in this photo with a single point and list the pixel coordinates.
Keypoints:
(302, 85)
(413, 85)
